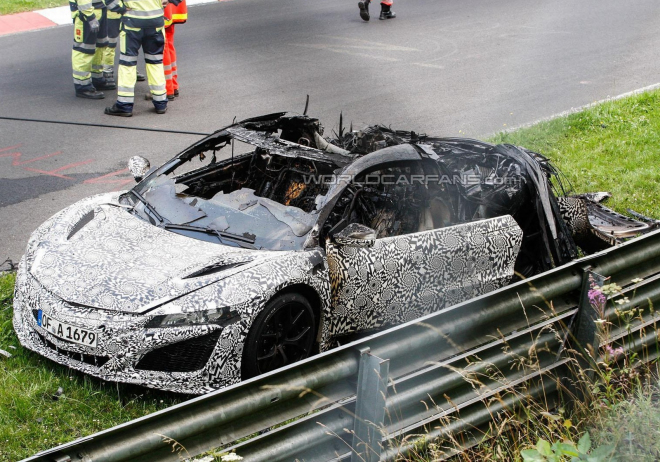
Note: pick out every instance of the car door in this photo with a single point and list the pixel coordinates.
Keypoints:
(410, 270)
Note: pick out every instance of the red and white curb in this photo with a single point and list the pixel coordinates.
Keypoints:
(21, 22)
(50, 17)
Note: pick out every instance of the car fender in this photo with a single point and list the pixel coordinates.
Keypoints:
(247, 293)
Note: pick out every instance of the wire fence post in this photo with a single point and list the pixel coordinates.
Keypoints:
(369, 407)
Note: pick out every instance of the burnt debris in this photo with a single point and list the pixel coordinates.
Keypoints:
(293, 188)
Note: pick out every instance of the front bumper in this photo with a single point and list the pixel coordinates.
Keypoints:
(128, 352)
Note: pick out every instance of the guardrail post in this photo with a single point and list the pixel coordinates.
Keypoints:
(369, 407)
(586, 330)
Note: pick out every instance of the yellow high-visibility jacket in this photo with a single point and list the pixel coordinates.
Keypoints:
(139, 13)
(85, 8)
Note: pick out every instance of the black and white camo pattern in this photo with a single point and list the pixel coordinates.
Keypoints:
(404, 277)
(121, 265)
(138, 166)
(97, 266)
(574, 212)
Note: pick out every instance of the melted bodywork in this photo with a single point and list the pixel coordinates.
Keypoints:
(374, 227)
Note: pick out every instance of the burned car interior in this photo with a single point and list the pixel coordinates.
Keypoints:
(270, 195)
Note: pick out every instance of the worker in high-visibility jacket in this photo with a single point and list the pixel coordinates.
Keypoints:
(385, 9)
(142, 26)
(89, 42)
(114, 21)
(174, 14)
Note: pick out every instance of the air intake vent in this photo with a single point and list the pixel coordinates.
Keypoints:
(187, 356)
(214, 269)
(86, 218)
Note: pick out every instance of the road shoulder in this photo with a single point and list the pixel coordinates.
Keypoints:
(50, 17)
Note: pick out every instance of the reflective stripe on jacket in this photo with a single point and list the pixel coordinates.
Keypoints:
(180, 13)
(176, 14)
(84, 7)
(113, 15)
(142, 13)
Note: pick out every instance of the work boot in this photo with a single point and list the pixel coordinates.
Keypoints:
(115, 111)
(149, 97)
(386, 12)
(141, 77)
(90, 94)
(104, 85)
(364, 9)
(110, 78)
(160, 110)
(176, 93)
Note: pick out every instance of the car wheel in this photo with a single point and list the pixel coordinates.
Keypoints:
(283, 333)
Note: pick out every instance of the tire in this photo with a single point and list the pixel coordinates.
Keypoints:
(283, 333)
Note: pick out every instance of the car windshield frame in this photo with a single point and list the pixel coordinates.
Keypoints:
(291, 224)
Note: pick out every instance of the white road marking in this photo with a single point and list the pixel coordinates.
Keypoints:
(573, 110)
(358, 44)
(433, 66)
(342, 49)
(366, 44)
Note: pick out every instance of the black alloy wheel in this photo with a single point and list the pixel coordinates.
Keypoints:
(283, 333)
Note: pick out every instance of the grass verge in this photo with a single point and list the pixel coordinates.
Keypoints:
(612, 147)
(633, 425)
(606, 409)
(20, 6)
(32, 420)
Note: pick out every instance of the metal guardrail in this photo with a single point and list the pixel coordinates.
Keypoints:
(348, 403)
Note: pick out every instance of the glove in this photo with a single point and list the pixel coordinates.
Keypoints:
(94, 25)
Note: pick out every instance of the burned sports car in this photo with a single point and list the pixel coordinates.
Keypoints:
(266, 242)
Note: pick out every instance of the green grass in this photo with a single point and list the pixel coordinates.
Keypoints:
(633, 426)
(612, 147)
(31, 420)
(19, 6)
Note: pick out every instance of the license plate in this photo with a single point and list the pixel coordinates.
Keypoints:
(67, 331)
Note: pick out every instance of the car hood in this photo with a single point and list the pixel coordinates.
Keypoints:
(102, 256)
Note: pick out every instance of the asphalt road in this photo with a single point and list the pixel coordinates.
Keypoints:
(446, 67)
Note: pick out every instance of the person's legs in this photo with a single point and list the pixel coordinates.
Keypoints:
(101, 45)
(84, 45)
(114, 21)
(364, 9)
(175, 73)
(153, 45)
(130, 40)
(386, 10)
(168, 61)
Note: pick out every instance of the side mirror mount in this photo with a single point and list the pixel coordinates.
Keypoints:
(355, 235)
(138, 166)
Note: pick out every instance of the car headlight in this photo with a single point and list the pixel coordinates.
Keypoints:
(219, 316)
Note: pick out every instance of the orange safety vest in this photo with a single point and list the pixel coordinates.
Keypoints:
(176, 14)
